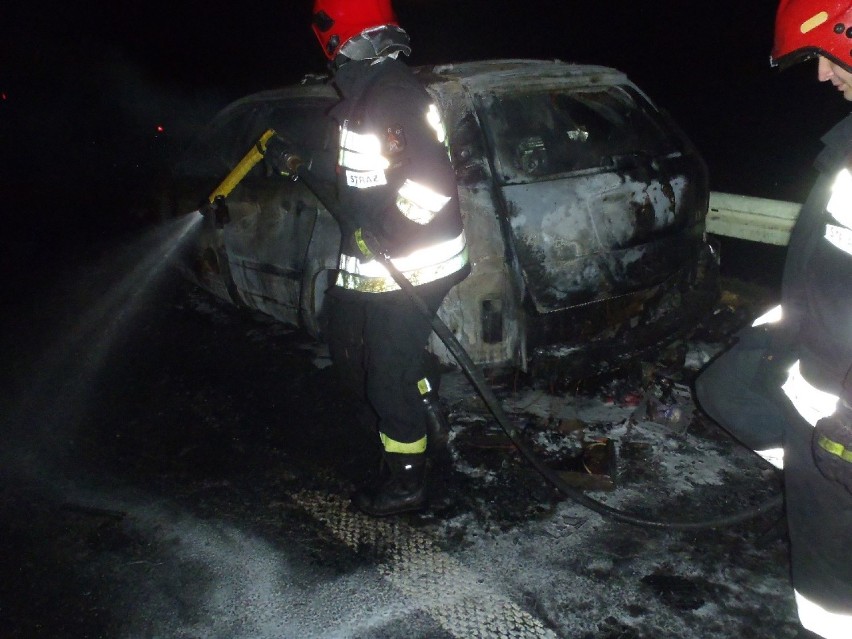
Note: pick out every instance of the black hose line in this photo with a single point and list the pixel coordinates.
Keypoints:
(476, 378)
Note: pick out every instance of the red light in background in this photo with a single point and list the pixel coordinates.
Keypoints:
(3, 96)
(160, 128)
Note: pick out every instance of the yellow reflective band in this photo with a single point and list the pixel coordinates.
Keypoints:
(835, 448)
(424, 386)
(433, 117)
(393, 446)
(810, 402)
(840, 202)
(362, 245)
(419, 203)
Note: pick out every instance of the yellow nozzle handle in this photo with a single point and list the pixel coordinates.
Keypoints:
(254, 155)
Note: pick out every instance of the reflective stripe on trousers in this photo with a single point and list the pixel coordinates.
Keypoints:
(831, 625)
(411, 448)
(774, 456)
(813, 404)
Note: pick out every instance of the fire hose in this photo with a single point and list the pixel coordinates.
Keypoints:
(298, 170)
(477, 379)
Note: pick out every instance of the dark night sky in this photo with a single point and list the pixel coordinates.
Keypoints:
(86, 83)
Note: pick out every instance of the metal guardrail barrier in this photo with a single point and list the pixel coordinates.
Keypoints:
(751, 218)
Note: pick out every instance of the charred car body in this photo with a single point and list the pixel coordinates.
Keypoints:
(583, 205)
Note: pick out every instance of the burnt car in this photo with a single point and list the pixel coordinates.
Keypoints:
(583, 203)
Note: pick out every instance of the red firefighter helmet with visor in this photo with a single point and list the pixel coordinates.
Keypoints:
(336, 21)
(807, 28)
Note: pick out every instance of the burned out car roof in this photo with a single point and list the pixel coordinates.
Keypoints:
(485, 74)
(583, 205)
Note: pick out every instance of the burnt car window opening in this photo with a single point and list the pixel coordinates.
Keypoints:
(538, 135)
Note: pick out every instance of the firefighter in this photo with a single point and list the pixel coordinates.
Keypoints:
(784, 388)
(397, 193)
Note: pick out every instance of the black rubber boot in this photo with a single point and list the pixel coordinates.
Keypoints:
(401, 489)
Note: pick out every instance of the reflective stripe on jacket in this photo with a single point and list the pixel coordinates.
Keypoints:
(395, 180)
(420, 267)
(840, 208)
(810, 402)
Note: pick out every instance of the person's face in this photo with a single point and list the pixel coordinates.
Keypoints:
(837, 75)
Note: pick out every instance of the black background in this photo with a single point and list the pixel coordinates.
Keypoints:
(85, 86)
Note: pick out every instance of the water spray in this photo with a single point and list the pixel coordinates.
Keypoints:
(111, 292)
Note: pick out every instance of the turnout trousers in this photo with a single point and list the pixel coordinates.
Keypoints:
(742, 393)
(377, 343)
(819, 520)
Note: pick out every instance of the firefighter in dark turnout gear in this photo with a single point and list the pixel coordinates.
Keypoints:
(396, 190)
(784, 388)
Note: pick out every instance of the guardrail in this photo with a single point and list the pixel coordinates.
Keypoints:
(751, 218)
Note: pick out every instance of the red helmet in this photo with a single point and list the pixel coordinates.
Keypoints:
(806, 28)
(336, 21)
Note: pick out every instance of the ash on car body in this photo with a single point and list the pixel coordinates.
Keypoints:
(583, 203)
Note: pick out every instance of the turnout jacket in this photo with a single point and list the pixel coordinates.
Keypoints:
(816, 331)
(817, 282)
(395, 180)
